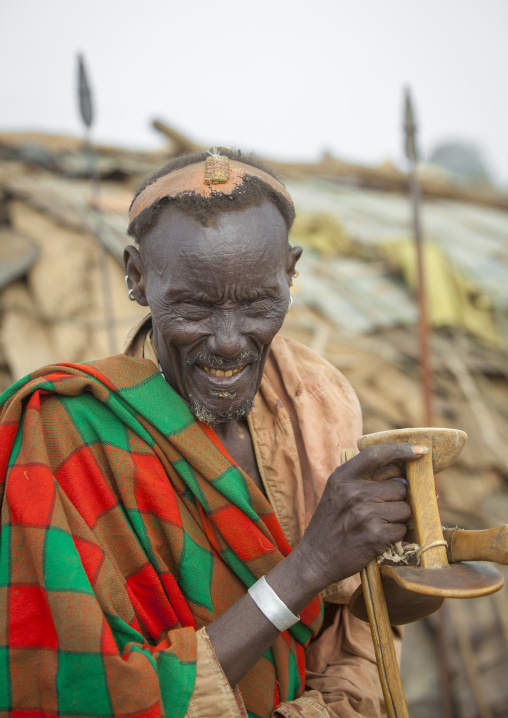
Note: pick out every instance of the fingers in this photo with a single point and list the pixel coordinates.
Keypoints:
(395, 512)
(391, 471)
(395, 533)
(387, 491)
(378, 463)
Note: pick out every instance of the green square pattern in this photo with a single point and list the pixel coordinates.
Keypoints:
(122, 632)
(63, 570)
(81, 685)
(188, 474)
(5, 555)
(5, 682)
(160, 405)
(195, 569)
(95, 422)
(233, 486)
(238, 567)
(175, 694)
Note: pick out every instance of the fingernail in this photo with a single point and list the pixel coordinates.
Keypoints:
(401, 481)
(420, 450)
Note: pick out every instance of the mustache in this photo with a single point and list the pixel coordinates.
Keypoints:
(215, 361)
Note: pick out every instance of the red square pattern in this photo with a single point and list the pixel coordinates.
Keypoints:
(30, 622)
(178, 602)
(92, 558)
(154, 491)
(31, 493)
(86, 369)
(108, 643)
(248, 540)
(7, 435)
(98, 497)
(150, 602)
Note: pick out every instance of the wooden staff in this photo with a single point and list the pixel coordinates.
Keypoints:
(382, 635)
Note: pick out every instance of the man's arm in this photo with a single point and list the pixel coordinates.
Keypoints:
(360, 513)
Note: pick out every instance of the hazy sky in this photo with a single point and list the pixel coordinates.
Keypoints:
(286, 78)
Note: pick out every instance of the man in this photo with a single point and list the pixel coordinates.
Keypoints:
(151, 500)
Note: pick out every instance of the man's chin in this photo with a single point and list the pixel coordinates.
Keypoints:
(213, 416)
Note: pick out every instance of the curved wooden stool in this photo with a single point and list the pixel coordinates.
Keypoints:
(413, 592)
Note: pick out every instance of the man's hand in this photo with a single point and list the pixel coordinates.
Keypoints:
(360, 513)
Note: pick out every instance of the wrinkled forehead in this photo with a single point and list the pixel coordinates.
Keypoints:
(254, 233)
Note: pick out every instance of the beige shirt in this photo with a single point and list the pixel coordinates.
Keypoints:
(304, 414)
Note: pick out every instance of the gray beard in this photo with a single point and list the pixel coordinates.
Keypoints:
(212, 418)
(208, 416)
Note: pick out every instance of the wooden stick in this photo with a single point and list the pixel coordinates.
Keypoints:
(382, 635)
(385, 177)
(486, 545)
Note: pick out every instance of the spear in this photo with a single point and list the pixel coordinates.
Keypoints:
(412, 155)
(86, 111)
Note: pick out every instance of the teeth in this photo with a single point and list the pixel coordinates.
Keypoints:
(220, 372)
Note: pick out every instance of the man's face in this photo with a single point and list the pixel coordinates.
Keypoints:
(218, 296)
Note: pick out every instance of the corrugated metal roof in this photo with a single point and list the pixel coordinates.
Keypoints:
(474, 239)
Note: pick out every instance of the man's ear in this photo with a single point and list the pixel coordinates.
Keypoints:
(294, 255)
(135, 273)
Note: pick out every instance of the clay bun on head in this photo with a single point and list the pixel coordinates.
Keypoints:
(181, 182)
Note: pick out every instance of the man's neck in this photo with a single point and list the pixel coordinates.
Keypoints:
(235, 436)
(231, 430)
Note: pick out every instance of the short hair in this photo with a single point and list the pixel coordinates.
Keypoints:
(250, 194)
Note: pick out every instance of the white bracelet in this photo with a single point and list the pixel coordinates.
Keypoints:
(270, 604)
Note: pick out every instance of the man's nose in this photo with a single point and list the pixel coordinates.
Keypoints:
(228, 339)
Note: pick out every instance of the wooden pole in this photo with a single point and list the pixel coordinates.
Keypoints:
(412, 155)
(86, 110)
(382, 635)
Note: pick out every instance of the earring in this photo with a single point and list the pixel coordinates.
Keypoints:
(290, 300)
(296, 275)
(129, 293)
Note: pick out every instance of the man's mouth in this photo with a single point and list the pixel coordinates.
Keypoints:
(225, 375)
(222, 372)
(222, 389)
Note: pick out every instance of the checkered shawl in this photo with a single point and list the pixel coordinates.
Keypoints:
(125, 528)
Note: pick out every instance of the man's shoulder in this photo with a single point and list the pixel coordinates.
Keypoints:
(301, 369)
(69, 380)
(302, 354)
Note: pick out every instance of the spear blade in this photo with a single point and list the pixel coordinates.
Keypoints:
(86, 111)
(85, 94)
(410, 127)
